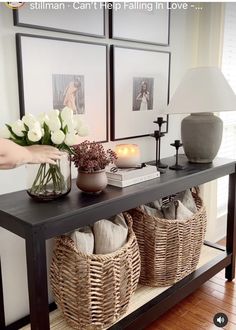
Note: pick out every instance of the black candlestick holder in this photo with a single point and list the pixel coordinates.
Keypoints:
(160, 121)
(177, 144)
(158, 135)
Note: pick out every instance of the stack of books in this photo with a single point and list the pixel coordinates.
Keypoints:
(126, 177)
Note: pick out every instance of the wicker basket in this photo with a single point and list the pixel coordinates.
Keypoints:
(91, 290)
(169, 249)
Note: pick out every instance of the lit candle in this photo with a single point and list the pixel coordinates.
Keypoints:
(128, 155)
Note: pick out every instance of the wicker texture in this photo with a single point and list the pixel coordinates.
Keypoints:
(93, 291)
(169, 249)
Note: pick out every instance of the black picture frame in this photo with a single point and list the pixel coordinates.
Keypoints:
(116, 135)
(29, 102)
(18, 21)
(129, 28)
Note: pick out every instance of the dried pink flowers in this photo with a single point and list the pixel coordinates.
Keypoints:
(91, 156)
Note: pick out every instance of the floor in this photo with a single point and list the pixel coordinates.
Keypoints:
(196, 312)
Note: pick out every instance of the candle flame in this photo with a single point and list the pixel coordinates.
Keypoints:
(126, 150)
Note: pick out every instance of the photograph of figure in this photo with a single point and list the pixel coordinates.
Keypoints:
(143, 94)
(68, 90)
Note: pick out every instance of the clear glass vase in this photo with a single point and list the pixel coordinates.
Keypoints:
(47, 182)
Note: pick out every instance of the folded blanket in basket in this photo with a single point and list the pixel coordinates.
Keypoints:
(106, 236)
(110, 235)
(152, 211)
(84, 239)
(176, 210)
(187, 200)
(185, 197)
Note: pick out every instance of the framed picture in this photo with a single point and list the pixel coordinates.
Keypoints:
(67, 17)
(146, 22)
(140, 91)
(69, 73)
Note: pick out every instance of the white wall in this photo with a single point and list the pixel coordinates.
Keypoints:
(209, 52)
(183, 49)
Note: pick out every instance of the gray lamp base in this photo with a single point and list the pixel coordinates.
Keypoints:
(201, 135)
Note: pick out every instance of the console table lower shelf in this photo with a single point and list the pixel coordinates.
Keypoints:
(212, 260)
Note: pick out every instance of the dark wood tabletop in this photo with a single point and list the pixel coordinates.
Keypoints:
(18, 212)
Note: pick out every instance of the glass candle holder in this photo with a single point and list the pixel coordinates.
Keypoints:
(128, 155)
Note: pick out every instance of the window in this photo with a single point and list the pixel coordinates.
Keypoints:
(228, 146)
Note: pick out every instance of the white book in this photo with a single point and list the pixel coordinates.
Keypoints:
(129, 182)
(129, 173)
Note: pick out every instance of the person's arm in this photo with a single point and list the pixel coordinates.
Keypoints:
(13, 155)
(146, 94)
(139, 97)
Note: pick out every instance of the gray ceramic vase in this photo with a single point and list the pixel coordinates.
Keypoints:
(93, 182)
(201, 135)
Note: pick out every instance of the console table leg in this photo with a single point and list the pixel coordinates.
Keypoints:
(231, 227)
(2, 313)
(37, 282)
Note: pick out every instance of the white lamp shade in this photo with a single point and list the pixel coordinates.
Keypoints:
(203, 89)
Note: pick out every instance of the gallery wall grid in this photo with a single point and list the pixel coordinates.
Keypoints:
(63, 77)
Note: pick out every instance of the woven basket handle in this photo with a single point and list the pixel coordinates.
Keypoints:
(128, 218)
(195, 190)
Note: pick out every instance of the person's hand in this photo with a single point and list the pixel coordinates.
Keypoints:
(42, 154)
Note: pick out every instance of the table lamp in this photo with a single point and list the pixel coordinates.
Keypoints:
(202, 91)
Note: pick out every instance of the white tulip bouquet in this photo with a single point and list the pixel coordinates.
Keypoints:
(61, 129)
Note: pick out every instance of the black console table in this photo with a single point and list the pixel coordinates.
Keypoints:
(37, 222)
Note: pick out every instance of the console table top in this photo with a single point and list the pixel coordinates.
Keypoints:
(19, 213)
